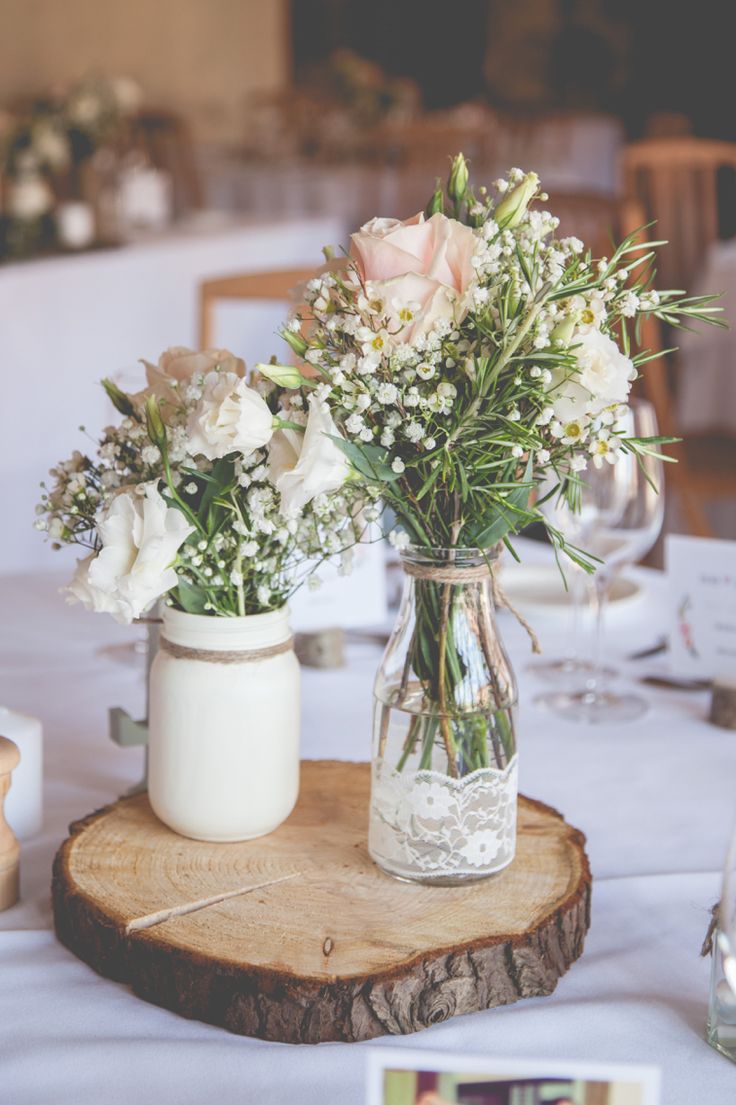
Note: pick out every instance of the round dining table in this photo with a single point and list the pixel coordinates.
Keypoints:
(655, 799)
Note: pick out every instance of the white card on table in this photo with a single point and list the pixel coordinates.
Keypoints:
(402, 1077)
(701, 574)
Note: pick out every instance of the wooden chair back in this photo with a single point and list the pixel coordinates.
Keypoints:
(281, 285)
(676, 180)
(586, 215)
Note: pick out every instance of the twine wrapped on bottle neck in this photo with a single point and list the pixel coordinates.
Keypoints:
(477, 573)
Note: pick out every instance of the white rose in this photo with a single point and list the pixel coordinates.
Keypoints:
(302, 466)
(177, 365)
(604, 377)
(229, 418)
(29, 197)
(141, 536)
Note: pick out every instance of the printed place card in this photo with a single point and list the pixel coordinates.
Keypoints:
(398, 1076)
(701, 574)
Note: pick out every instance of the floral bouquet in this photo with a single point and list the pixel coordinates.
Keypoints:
(42, 151)
(204, 493)
(468, 355)
(207, 495)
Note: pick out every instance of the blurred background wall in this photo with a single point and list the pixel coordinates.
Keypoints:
(201, 58)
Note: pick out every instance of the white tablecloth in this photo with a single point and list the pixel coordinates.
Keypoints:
(707, 382)
(68, 321)
(655, 798)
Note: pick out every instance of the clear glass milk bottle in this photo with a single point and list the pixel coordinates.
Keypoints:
(444, 773)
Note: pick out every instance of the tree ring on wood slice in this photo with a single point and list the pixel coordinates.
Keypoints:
(298, 936)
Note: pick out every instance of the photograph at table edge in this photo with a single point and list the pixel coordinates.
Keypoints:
(457, 363)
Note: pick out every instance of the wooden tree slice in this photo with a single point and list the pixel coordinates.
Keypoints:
(298, 936)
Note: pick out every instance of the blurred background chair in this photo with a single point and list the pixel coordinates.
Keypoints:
(280, 285)
(705, 473)
(677, 182)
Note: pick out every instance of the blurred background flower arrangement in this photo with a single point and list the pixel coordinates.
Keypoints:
(50, 155)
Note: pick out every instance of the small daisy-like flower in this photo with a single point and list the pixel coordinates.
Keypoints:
(425, 370)
(573, 432)
(605, 448)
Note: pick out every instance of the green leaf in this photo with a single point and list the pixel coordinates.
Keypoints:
(191, 598)
(515, 507)
(222, 475)
(368, 460)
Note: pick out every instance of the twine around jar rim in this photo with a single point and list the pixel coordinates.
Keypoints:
(225, 656)
(476, 574)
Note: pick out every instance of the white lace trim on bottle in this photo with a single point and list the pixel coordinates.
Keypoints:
(430, 822)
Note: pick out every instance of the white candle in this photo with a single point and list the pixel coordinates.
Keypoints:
(24, 802)
(75, 223)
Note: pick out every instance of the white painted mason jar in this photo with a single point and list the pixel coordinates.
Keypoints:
(224, 725)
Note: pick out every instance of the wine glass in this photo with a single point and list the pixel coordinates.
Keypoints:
(721, 1031)
(570, 524)
(622, 510)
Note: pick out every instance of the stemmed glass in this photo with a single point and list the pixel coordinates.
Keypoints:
(621, 516)
(572, 665)
(721, 1032)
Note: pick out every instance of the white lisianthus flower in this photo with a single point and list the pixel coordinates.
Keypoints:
(229, 418)
(604, 370)
(92, 598)
(302, 466)
(141, 536)
(604, 377)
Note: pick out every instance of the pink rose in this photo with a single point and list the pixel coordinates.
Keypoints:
(421, 269)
